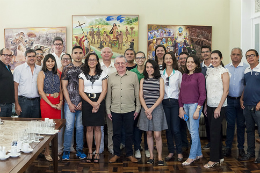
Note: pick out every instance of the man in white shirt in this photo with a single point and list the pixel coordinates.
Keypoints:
(108, 67)
(27, 100)
(58, 48)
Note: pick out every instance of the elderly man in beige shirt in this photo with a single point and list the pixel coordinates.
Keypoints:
(123, 106)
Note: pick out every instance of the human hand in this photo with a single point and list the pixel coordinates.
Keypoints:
(217, 113)
(135, 115)
(18, 109)
(242, 104)
(181, 112)
(109, 116)
(196, 114)
(79, 106)
(72, 107)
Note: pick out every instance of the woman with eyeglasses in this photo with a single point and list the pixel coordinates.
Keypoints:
(93, 89)
(191, 98)
(139, 69)
(172, 82)
(152, 118)
(49, 88)
(65, 60)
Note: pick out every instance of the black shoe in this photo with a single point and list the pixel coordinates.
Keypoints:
(241, 152)
(206, 147)
(246, 157)
(160, 162)
(227, 152)
(257, 160)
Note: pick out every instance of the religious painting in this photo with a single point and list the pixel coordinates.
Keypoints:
(178, 38)
(21, 39)
(94, 32)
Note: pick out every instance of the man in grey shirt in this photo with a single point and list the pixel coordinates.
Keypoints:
(123, 106)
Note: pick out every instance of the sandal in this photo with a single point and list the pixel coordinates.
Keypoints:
(96, 158)
(89, 158)
(211, 166)
(188, 163)
(48, 158)
(199, 157)
(150, 161)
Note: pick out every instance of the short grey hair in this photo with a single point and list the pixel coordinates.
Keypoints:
(238, 49)
(2, 50)
(120, 56)
(108, 48)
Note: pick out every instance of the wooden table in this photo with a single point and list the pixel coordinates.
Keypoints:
(21, 163)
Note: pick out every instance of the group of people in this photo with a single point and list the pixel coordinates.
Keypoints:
(133, 95)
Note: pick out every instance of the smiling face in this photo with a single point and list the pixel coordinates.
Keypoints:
(6, 57)
(65, 60)
(58, 46)
(31, 58)
(205, 53)
(92, 61)
(168, 60)
(191, 66)
(120, 65)
(215, 60)
(160, 52)
(50, 63)
(140, 59)
(182, 59)
(106, 54)
(149, 69)
(39, 55)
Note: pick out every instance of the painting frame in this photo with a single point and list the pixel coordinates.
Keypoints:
(178, 38)
(119, 38)
(21, 39)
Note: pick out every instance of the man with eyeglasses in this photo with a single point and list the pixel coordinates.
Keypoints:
(123, 106)
(234, 113)
(130, 57)
(39, 56)
(108, 67)
(58, 48)
(182, 61)
(27, 99)
(206, 63)
(250, 102)
(6, 83)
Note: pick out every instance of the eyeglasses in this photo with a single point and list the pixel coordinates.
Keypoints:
(139, 58)
(120, 63)
(58, 44)
(65, 59)
(93, 60)
(182, 58)
(250, 56)
(39, 53)
(205, 52)
(6, 55)
(167, 81)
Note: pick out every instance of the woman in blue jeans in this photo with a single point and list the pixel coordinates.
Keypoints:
(191, 98)
(172, 82)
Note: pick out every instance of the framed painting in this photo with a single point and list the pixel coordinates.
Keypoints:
(94, 32)
(178, 38)
(21, 39)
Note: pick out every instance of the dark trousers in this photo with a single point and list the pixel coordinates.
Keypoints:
(252, 117)
(171, 110)
(215, 133)
(6, 110)
(30, 108)
(127, 121)
(183, 129)
(206, 123)
(138, 136)
(234, 114)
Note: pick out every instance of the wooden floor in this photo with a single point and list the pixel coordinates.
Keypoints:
(74, 165)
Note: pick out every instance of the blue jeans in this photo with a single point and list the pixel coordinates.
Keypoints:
(193, 126)
(6, 110)
(252, 117)
(234, 114)
(171, 110)
(70, 119)
(30, 108)
(125, 120)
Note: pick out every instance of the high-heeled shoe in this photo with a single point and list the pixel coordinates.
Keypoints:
(199, 157)
(96, 158)
(187, 163)
(89, 158)
(211, 166)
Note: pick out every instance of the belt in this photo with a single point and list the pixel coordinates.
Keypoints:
(29, 98)
(235, 98)
(54, 95)
(92, 95)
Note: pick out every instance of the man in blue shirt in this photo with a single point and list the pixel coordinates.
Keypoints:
(250, 102)
(234, 113)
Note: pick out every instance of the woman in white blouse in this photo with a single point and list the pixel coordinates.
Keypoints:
(93, 89)
(217, 85)
(172, 82)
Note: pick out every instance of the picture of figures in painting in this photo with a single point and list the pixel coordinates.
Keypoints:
(21, 39)
(178, 38)
(119, 32)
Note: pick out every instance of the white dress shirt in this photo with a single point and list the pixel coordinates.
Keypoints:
(108, 70)
(58, 59)
(27, 81)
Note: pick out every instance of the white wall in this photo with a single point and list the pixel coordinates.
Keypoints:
(58, 13)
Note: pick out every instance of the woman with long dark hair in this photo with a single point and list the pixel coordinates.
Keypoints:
(191, 99)
(172, 83)
(217, 84)
(49, 88)
(152, 118)
(93, 89)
